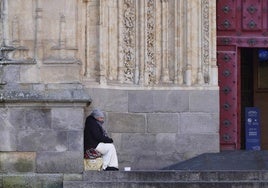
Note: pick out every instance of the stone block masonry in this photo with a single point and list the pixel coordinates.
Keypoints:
(47, 129)
(159, 127)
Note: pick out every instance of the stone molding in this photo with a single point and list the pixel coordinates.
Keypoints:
(61, 96)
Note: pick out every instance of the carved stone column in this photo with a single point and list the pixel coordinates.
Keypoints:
(202, 45)
(103, 41)
(188, 46)
(92, 39)
(213, 73)
(164, 19)
(111, 25)
(179, 38)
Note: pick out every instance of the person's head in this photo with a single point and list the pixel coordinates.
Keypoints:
(98, 115)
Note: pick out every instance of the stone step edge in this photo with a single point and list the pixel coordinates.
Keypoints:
(239, 181)
(175, 171)
(177, 175)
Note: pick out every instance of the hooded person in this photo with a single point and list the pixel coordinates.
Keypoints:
(96, 137)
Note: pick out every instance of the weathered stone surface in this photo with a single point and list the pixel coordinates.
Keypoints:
(194, 144)
(75, 141)
(60, 162)
(38, 118)
(126, 122)
(171, 101)
(138, 143)
(8, 141)
(42, 140)
(158, 101)
(56, 95)
(30, 119)
(72, 177)
(67, 118)
(11, 74)
(23, 181)
(109, 99)
(142, 151)
(17, 118)
(49, 181)
(31, 181)
(17, 162)
(204, 101)
(199, 123)
(163, 123)
(30, 74)
(140, 101)
(58, 73)
(166, 143)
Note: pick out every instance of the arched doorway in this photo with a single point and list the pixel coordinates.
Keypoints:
(242, 29)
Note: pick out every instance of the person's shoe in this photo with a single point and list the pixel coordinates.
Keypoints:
(110, 168)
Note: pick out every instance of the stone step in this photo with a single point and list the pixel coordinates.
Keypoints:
(167, 176)
(170, 179)
(197, 184)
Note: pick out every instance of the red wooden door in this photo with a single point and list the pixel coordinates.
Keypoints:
(240, 24)
(229, 131)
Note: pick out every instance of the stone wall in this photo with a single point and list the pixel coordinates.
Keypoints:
(150, 65)
(156, 128)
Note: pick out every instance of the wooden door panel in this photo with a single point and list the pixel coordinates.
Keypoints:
(226, 11)
(228, 97)
(252, 15)
(261, 101)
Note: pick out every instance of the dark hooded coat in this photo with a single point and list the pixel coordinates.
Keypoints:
(94, 134)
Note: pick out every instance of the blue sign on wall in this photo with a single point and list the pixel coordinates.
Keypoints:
(252, 122)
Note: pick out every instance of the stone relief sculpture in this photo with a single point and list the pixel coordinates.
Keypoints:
(60, 43)
(129, 42)
(61, 53)
(12, 49)
(147, 53)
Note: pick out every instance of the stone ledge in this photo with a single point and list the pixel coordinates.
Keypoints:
(32, 180)
(57, 95)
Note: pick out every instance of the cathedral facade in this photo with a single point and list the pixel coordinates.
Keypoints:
(150, 65)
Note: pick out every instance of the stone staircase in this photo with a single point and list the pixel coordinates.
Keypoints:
(232, 169)
(172, 179)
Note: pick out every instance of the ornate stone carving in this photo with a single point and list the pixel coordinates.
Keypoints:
(128, 42)
(205, 39)
(150, 66)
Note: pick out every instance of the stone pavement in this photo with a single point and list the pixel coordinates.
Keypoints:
(226, 160)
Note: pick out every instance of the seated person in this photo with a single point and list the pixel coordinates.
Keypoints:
(96, 137)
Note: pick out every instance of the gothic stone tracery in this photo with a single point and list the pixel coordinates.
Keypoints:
(146, 51)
